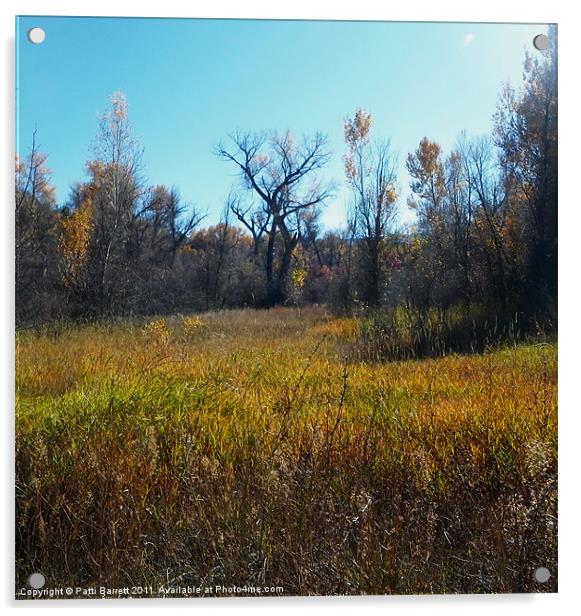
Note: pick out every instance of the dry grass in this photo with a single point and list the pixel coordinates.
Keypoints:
(243, 448)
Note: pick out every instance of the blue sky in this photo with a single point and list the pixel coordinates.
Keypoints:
(190, 82)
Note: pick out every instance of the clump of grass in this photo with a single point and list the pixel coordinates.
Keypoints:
(259, 455)
(340, 328)
(409, 333)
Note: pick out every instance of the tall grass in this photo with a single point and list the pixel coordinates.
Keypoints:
(247, 449)
(409, 333)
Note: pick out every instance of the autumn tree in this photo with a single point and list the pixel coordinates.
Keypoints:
(75, 232)
(282, 176)
(115, 186)
(216, 259)
(120, 240)
(428, 185)
(492, 218)
(371, 170)
(458, 203)
(35, 237)
(526, 131)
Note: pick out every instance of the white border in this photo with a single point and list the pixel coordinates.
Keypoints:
(555, 11)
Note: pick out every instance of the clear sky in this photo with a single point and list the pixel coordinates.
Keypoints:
(190, 82)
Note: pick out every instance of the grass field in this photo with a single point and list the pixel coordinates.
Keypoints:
(245, 447)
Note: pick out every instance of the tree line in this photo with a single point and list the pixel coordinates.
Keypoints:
(484, 239)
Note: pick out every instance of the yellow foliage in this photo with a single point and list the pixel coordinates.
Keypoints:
(298, 277)
(75, 236)
(157, 331)
(191, 325)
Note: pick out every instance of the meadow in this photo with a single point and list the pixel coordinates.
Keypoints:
(256, 447)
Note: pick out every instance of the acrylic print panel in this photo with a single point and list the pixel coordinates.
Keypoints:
(286, 308)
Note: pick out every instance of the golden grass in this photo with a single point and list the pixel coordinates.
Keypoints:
(243, 447)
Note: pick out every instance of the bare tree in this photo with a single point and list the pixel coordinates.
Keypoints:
(277, 170)
(256, 220)
(181, 220)
(490, 216)
(167, 221)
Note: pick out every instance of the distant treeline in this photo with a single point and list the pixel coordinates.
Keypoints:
(484, 241)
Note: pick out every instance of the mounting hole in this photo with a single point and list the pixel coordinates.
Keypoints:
(36, 35)
(36, 580)
(541, 42)
(542, 575)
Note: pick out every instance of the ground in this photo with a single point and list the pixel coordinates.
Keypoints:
(250, 447)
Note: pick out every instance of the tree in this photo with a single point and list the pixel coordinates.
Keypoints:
(167, 222)
(276, 172)
(116, 187)
(488, 203)
(74, 245)
(459, 204)
(35, 238)
(214, 248)
(526, 131)
(371, 170)
(119, 241)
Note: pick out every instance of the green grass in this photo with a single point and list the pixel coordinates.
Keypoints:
(250, 450)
